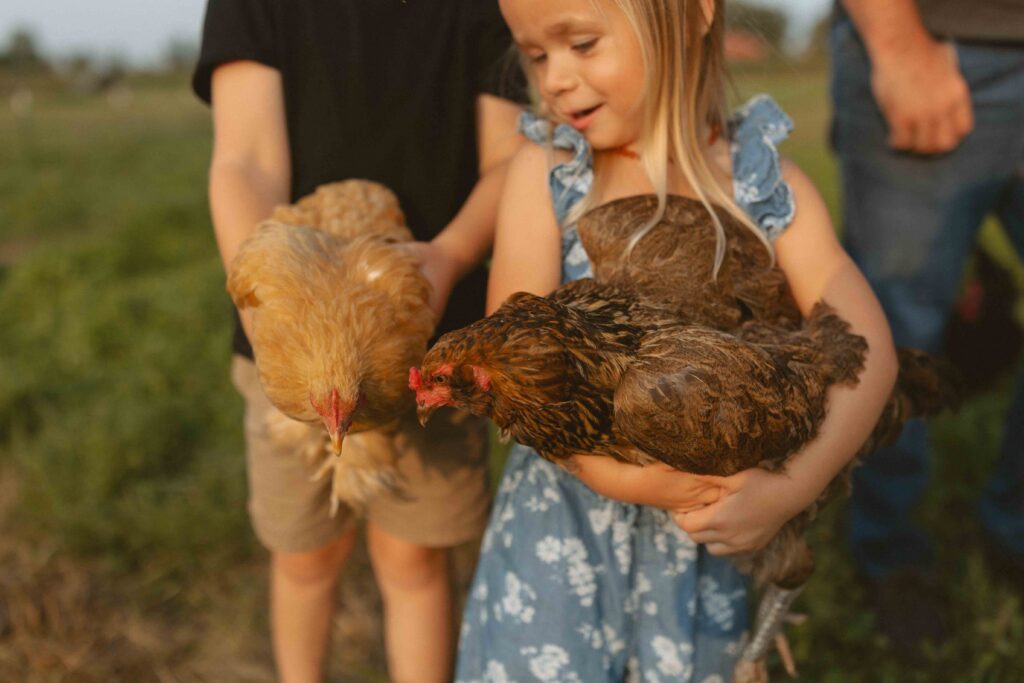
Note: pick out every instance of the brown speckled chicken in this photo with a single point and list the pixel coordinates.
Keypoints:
(661, 359)
(339, 312)
(673, 265)
(590, 369)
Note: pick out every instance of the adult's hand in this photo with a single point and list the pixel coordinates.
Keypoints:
(924, 97)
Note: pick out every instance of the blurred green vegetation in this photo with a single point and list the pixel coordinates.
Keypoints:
(113, 403)
(123, 435)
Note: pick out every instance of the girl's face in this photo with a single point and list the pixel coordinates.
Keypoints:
(586, 62)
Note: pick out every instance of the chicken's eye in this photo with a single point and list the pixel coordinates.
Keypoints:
(440, 379)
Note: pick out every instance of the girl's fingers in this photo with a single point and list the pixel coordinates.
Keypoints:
(710, 496)
(706, 537)
(696, 521)
(690, 508)
(719, 549)
(727, 483)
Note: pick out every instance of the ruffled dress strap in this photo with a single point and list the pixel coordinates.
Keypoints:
(755, 130)
(568, 181)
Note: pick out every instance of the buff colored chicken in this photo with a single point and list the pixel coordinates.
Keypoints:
(339, 312)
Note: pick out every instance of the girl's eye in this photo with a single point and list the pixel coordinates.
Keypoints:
(537, 58)
(585, 46)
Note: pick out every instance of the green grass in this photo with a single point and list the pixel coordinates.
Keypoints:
(122, 434)
(113, 402)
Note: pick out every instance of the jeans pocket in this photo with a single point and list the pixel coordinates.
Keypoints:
(851, 69)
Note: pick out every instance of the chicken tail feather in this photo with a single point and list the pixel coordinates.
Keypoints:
(926, 385)
(364, 469)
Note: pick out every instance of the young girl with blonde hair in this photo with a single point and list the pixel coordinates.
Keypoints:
(616, 572)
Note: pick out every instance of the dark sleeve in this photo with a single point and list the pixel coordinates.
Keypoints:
(498, 70)
(234, 30)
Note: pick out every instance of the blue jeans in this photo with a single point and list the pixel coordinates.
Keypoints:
(910, 223)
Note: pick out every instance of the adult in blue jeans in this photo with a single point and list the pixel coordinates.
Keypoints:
(929, 130)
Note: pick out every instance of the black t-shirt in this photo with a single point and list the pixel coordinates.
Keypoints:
(376, 89)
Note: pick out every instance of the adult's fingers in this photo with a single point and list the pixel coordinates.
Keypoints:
(945, 132)
(963, 116)
(944, 136)
(902, 133)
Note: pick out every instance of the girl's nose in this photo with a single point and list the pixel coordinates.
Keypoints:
(559, 76)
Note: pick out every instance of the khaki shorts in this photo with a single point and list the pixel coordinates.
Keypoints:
(444, 497)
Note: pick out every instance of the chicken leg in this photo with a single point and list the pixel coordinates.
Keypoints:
(771, 615)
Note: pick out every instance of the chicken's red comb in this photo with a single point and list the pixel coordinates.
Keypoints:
(415, 380)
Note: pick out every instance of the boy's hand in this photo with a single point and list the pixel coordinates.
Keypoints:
(657, 485)
(754, 505)
(441, 269)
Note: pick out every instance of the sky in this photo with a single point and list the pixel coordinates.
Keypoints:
(140, 30)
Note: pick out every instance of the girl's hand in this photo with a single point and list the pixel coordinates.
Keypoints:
(754, 505)
(657, 485)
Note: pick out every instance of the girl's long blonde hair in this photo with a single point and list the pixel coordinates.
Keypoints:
(685, 80)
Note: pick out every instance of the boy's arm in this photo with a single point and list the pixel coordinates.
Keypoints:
(466, 241)
(755, 502)
(250, 171)
(914, 77)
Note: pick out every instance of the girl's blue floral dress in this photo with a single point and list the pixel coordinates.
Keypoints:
(574, 587)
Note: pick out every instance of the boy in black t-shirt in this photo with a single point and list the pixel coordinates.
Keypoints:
(306, 92)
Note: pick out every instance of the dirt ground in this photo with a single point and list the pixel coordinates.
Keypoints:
(76, 621)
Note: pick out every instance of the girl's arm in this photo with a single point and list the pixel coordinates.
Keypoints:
(467, 239)
(755, 503)
(250, 171)
(657, 485)
(527, 242)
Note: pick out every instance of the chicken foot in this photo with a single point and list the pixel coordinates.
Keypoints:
(771, 615)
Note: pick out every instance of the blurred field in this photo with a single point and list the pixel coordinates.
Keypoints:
(125, 552)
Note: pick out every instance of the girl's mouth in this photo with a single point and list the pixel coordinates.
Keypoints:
(582, 118)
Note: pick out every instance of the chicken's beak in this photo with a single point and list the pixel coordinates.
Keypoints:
(336, 440)
(423, 412)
